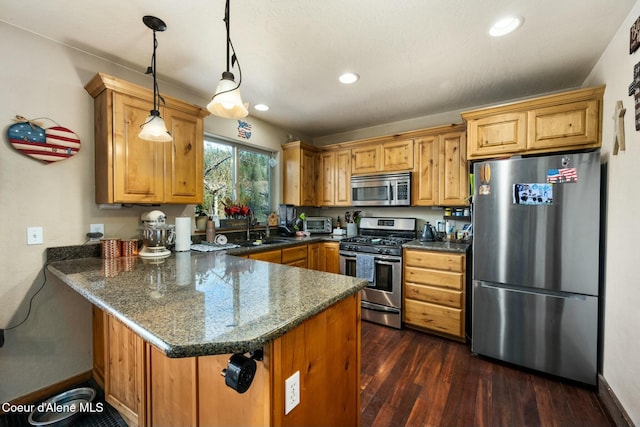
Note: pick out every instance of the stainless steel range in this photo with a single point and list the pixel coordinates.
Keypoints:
(376, 254)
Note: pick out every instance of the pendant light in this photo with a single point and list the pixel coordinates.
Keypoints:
(227, 101)
(153, 128)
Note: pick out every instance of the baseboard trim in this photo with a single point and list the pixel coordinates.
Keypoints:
(612, 405)
(56, 388)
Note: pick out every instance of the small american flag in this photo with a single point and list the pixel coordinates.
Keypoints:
(560, 176)
(244, 129)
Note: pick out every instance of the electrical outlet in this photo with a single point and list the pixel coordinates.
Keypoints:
(96, 228)
(291, 392)
(35, 236)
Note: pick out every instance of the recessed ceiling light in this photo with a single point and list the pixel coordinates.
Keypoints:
(261, 107)
(506, 26)
(348, 78)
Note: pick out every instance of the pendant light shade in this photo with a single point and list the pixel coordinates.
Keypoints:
(154, 128)
(226, 101)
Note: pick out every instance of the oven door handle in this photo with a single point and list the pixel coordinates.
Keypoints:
(379, 308)
(379, 261)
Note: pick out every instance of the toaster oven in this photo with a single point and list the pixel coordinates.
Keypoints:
(318, 224)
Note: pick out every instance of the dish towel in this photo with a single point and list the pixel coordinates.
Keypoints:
(365, 267)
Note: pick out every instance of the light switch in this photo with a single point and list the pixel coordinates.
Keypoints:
(35, 236)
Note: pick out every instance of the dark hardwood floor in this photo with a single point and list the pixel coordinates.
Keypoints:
(410, 378)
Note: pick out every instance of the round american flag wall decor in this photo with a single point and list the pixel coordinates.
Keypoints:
(48, 145)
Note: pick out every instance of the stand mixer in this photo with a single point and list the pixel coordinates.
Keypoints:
(155, 235)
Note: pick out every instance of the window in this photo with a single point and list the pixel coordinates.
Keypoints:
(236, 174)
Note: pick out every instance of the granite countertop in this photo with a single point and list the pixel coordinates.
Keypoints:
(196, 304)
(438, 246)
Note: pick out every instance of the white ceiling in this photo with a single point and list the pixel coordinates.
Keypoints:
(415, 57)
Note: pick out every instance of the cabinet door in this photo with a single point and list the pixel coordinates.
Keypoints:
(497, 135)
(332, 257)
(124, 386)
(294, 254)
(184, 159)
(314, 257)
(366, 159)
(308, 192)
(342, 193)
(453, 171)
(425, 175)
(572, 125)
(274, 256)
(99, 345)
(138, 165)
(397, 156)
(326, 183)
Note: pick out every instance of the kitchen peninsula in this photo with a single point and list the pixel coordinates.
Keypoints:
(164, 330)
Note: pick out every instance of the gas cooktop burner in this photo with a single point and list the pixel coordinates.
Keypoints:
(381, 241)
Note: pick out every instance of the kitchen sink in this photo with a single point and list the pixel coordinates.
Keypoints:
(252, 243)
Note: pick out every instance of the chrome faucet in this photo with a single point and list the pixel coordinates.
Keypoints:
(249, 219)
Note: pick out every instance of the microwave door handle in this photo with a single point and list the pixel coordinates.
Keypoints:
(390, 191)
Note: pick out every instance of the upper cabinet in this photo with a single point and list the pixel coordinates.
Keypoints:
(559, 122)
(334, 178)
(377, 157)
(440, 176)
(131, 170)
(299, 176)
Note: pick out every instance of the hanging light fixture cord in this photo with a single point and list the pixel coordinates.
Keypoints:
(152, 70)
(230, 49)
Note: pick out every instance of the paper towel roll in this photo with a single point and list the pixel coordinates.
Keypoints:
(183, 233)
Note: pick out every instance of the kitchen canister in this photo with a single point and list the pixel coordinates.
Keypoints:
(183, 234)
(352, 229)
(110, 248)
(129, 247)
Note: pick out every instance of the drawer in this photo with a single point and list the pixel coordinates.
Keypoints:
(437, 260)
(302, 263)
(433, 295)
(295, 253)
(269, 256)
(425, 276)
(440, 319)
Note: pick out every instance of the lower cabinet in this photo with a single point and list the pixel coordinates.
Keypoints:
(149, 389)
(434, 292)
(295, 256)
(274, 256)
(324, 256)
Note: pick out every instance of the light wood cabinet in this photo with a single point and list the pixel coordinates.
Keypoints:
(148, 388)
(397, 155)
(131, 170)
(425, 182)
(334, 178)
(99, 324)
(299, 176)
(274, 255)
(324, 256)
(295, 256)
(331, 257)
(434, 292)
(453, 173)
(387, 156)
(440, 176)
(559, 122)
(124, 385)
(366, 159)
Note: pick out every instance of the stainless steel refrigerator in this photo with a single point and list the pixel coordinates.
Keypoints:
(536, 263)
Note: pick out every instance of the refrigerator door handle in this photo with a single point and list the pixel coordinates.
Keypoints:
(537, 292)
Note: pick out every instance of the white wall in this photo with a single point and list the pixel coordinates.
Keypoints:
(622, 295)
(40, 78)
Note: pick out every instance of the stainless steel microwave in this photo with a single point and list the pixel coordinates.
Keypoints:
(318, 224)
(392, 189)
